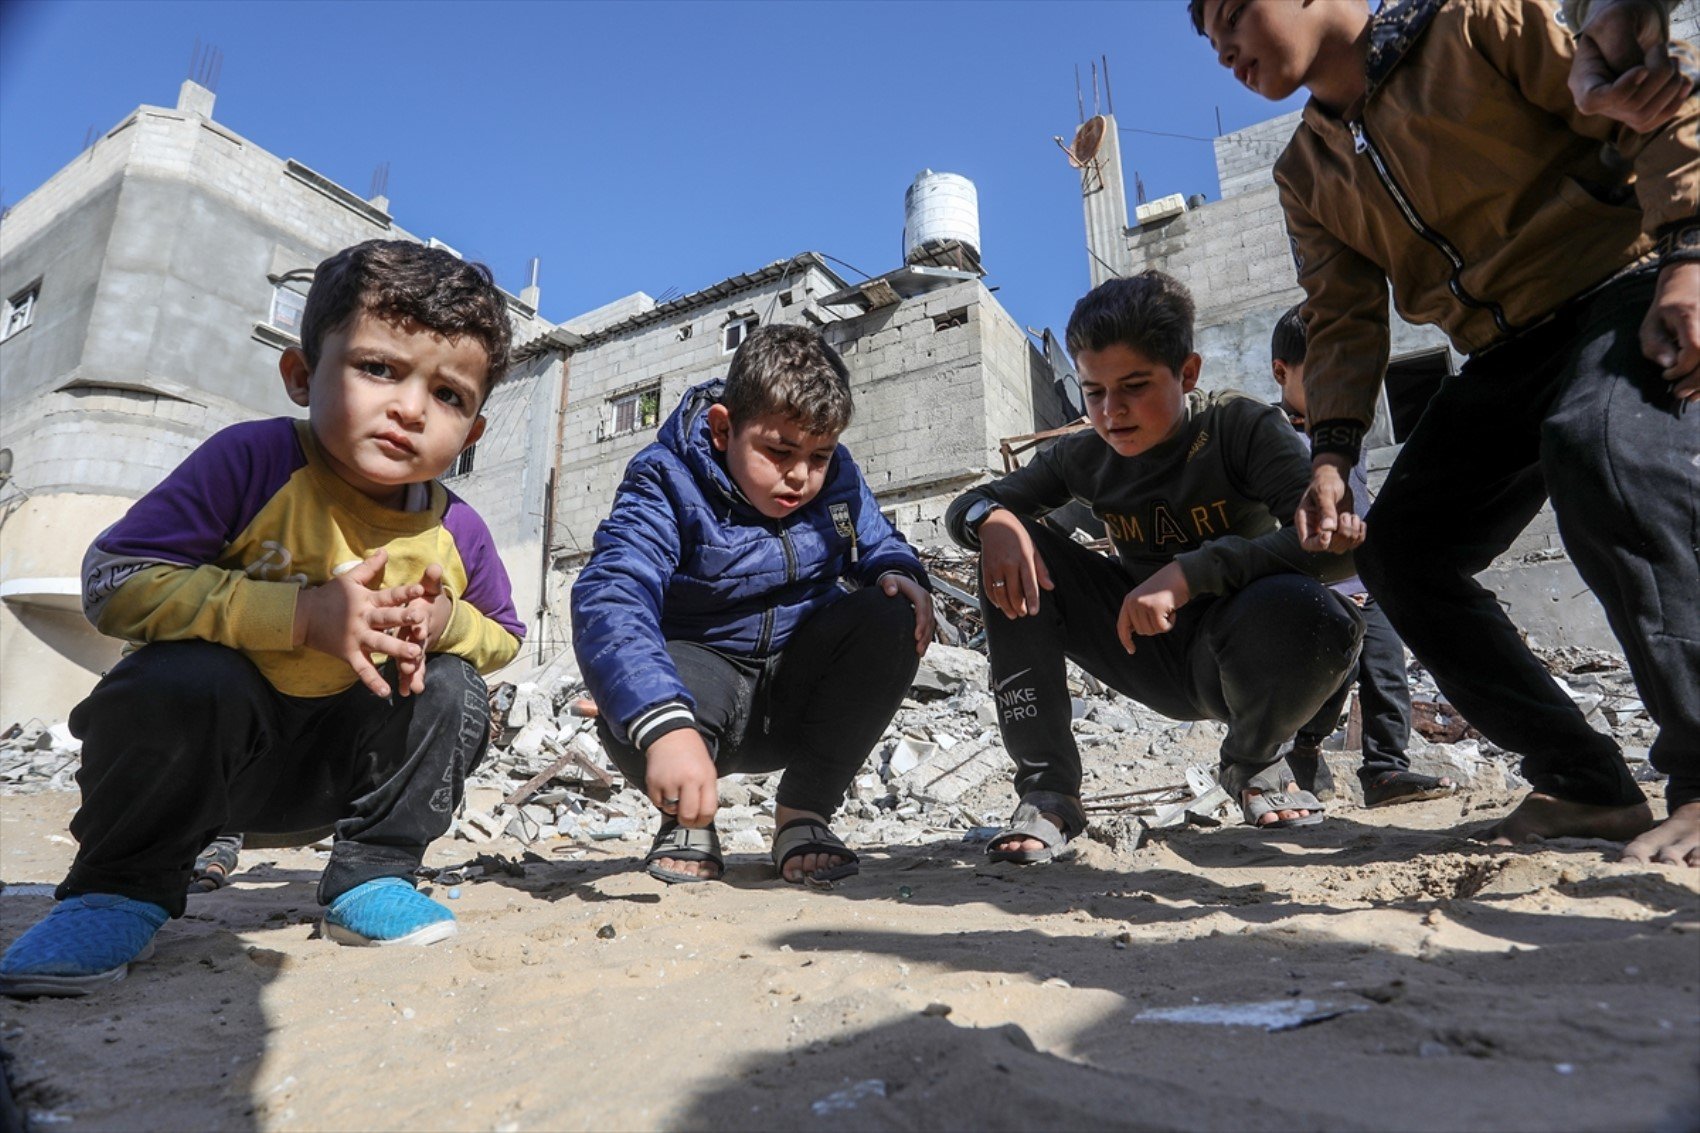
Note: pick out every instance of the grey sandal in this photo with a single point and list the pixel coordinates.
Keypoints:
(811, 836)
(1029, 821)
(1254, 807)
(686, 844)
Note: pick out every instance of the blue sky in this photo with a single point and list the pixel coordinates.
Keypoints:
(649, 146)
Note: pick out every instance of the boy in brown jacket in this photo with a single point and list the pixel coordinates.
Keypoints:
(1442, 153)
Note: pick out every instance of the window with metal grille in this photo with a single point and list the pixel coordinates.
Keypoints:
(20, 311)
(288, 306)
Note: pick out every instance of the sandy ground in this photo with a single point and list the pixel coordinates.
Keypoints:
(1539, 988)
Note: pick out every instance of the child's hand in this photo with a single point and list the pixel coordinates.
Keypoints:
(422, 622)
(1670, 335)
(681, 779)
(1151, 606)
(1325, 519)
(342, 617)
(895, 584)
(1012, 572)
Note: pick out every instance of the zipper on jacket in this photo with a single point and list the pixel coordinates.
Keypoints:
(790, 576)
(767, 614)
(1361, 144)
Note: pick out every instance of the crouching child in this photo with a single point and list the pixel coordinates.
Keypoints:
(746, 607)
(1210, 609)
(312, 611)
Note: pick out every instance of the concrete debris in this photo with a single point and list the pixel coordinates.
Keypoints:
(938, 772)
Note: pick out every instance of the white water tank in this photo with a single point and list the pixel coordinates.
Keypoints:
(941, 211)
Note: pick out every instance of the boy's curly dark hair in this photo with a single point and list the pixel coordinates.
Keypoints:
(1195, 9)
(401, 279)
(1151, 312)
(791, 371)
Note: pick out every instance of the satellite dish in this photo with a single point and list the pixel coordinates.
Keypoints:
(1087, 141)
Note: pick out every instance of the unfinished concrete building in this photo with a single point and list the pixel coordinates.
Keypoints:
(150, 286)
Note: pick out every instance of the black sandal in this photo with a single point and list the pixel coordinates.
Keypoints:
(685, 844)
(812, 836)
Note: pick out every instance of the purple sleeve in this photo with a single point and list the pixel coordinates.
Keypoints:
(487, 585)
(206, 501)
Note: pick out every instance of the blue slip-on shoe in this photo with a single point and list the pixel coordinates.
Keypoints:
(387, 910)
(86, 942)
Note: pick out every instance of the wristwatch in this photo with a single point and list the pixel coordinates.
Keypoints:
(977, 512)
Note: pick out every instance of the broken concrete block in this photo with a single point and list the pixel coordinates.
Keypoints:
(948, 776)
(528, 743)
(947, 669)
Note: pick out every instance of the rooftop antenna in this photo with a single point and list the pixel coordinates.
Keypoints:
(1109, 103)
(380, 180)
(1078, 100)
(206, 63)
(1097, 107)
(1139, 186)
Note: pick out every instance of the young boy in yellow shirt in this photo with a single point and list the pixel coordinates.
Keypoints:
(312, 611)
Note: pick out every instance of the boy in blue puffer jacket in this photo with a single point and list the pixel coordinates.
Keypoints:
(746, 607)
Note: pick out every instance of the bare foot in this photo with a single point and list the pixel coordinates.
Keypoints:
(805, 865)
(1543, 816)
(1675, 841)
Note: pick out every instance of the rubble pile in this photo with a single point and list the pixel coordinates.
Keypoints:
(939, 769)
(37, 756)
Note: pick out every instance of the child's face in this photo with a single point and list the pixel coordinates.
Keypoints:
(1269, 45)
(390, 403)
(778, 465)
(1133, 401)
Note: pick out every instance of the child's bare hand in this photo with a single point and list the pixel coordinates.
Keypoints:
(925, 621)
(680, 778)
(342, 618)
(1012, 572)
(1150, 608)
(1325, 510)
(1670, 334)
(422, 622)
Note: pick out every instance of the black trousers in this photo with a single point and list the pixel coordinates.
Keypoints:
(1266, 660)
(814, 710)
(185, 740)
(1384, 697)
(1571, 410)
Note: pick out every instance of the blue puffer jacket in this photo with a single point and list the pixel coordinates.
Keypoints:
(684, 556)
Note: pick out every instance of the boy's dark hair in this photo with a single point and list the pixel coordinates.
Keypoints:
(1195, 9)
(790, 371)
(404, 280)
(1287, 344)
(1151, 312)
